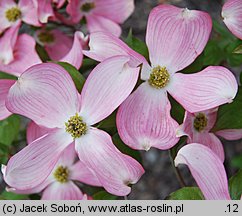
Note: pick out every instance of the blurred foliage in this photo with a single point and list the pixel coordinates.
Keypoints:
(103, 195)
(42, 53)
(186, 193)
(235, 186)
(9, 129)
(237, 161)
(238, 50)
(12, 196)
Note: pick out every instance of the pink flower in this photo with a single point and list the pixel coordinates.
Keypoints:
(197, 127)
(59, 185)
(207, 169)
(17, 54)
(175, 37)
(232, 15)
(61, 47)
(10, 13)
(45, 10)
(101, 15)
(46, 94)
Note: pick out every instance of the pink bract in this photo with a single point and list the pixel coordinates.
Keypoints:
(46, 94)
(101, 15)
(207, 169)
(62, 47)
(203, 135)
(175, 37)
(17, 54)
(53, 188)
(27, 10)
(232, 16)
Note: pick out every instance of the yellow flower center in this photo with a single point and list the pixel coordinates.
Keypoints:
(200, 122)
(87, 7)
(76, 126)
(159, 77)
(13, 14)
(61, 174)
(46, 37)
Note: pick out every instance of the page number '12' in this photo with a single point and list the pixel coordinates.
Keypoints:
(232, 208)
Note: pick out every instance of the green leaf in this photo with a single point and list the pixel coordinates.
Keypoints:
(9, 129)
(7, 76)
(235, 186)
(177, 111)
(125, 149)
(88, 64)
(103, 195)
(230, 115)
(233, 59)
(237, 161)
(186, 193)
(220, 29)
(213, 54)
(109, 124)
(137, 45)
(12, 196)
(77, 77)
(42, 53)
(238, 50)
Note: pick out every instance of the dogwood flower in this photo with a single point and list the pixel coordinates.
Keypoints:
(46, 94)
(207, 169)
(197, 127)
(10, 13)
(101, 15)
(17, 54)
(232, 16)
(175, 37)
(61, 47)
(60, 184)
(45, 10)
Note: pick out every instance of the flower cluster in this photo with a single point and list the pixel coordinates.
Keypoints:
(65, 143)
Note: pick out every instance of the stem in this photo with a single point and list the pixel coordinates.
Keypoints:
(125, 197)
(177, 172)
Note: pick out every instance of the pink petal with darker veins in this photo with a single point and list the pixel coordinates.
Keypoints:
(113, 169)
(207, 169)
(46, 94)
(176, 36)
(144, 120)
(230, 134)
(108, 85)
(104, 45)
(33, 164)
(5, 85)
(232, 15)
(204, 90)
